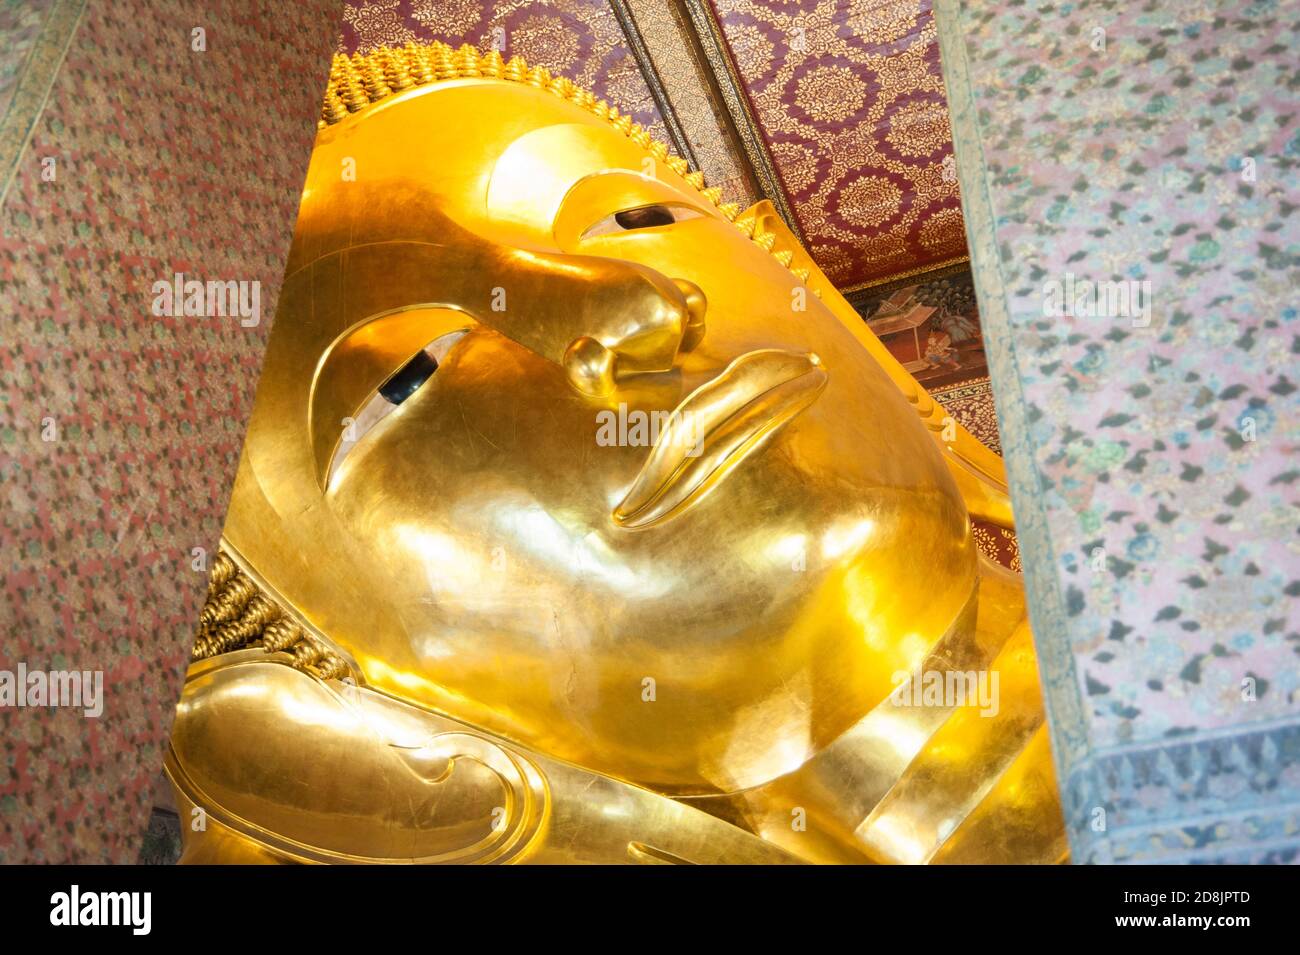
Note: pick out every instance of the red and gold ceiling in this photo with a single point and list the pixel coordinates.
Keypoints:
(848, 100)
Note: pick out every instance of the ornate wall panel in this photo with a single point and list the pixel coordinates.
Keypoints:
(1152, 458)
(848, 101)
(662, 36)
(120, 429)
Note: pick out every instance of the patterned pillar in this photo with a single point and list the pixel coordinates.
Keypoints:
(1150, 423)
(131, 148)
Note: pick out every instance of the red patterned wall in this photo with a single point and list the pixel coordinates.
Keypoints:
(850, 100)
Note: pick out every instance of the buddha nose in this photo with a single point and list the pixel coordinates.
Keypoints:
(662, 318)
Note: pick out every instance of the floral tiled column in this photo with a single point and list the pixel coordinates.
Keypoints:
(132, 148)
(1128, 179)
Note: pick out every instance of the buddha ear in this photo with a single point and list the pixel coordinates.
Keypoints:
(978, 471)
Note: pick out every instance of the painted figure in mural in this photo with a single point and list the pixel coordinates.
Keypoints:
(580, 519)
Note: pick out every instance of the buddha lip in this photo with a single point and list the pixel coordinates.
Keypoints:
(716, 427)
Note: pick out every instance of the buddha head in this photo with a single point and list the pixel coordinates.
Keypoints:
(553, 443)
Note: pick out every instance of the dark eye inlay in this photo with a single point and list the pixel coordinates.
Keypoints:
(409, 378)
(645, 217)
(642, 217)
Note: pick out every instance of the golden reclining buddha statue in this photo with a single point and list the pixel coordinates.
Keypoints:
(580, 519)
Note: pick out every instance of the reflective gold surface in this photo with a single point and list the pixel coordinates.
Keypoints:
(683, 652)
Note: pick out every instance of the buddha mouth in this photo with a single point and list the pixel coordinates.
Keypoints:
(716, 427)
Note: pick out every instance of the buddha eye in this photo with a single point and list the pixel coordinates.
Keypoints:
(641, 217)
(409, 378)
(396, 389)
(645, 217)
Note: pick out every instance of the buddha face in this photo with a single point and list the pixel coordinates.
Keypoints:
(597, 470)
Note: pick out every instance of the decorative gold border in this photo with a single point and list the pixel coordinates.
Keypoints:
(35, 79)
(713, 46)
(925, 273)
(1066, 713)
(645, 62)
